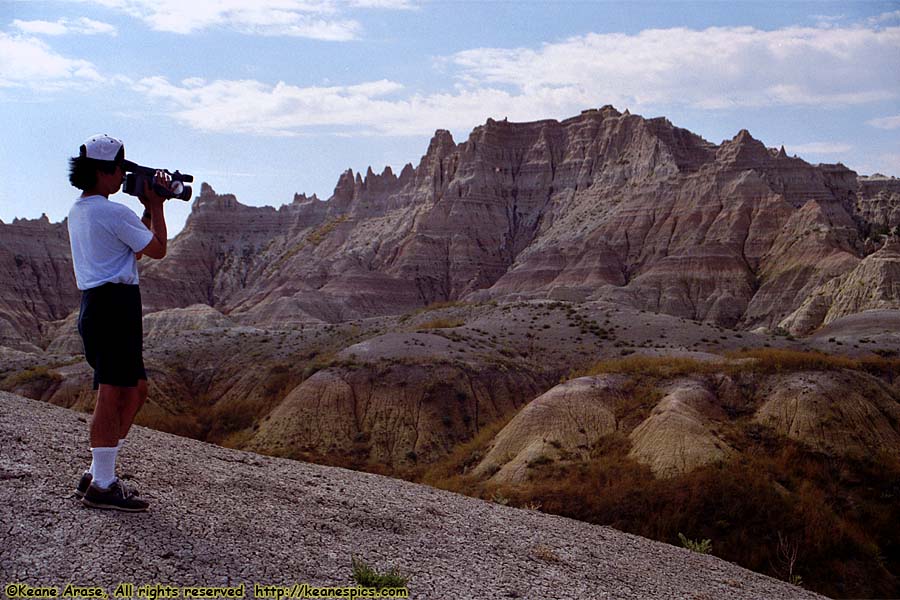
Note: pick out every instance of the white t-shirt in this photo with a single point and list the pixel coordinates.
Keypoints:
(104, 236)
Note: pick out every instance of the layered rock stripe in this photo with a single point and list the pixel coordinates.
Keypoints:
(604, 205)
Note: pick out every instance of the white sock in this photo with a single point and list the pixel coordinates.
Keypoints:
(104, 465)
(118, 447)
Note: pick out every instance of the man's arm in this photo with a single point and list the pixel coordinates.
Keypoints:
(145, 219)
(157, 222)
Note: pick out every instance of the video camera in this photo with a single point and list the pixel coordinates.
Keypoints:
(136, 175)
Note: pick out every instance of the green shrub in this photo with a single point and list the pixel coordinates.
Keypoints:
(703, 546)
(368, 577)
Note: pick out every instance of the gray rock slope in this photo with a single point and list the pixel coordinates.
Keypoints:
(221, 516)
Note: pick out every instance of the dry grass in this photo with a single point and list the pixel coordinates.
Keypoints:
(760, 360)
(440, 306)
(441, 324)
(778, 494)
(839, 516)
(185, 425)
(451, 473)
(35, 375)
(320, 233)
(663, 367)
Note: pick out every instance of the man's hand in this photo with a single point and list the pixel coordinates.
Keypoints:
(153, 202)
(148, 195)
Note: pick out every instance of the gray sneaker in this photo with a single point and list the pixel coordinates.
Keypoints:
(117, 497)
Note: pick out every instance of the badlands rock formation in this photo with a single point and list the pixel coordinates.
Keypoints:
(838, 413)
(604, 205)
(679, 435)
(37, 284)
(396, 414)
(565, 421)
(874, 283)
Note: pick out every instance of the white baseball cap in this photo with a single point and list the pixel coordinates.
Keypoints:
(103, 147)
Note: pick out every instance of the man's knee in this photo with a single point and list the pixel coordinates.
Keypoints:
(111, 395)
(142, 391)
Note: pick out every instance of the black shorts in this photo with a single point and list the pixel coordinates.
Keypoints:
(112, 333)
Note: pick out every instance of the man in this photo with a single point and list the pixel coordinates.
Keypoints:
(107, 239)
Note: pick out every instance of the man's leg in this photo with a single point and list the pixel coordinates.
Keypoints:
(134, 400)
(105, 428)
(106, 424)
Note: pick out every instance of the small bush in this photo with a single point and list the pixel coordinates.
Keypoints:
(703, 546)
(498, 498)
(543, 459)
(367, 577)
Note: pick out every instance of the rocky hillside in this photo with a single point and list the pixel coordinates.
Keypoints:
(683, 419)
(37, 284)
(601, 206)
(223, 517)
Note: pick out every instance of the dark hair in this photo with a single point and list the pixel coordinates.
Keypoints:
(83, 171)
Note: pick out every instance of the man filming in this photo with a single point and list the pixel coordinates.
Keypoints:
(107, 240)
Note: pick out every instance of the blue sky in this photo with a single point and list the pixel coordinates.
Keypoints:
(267, 98)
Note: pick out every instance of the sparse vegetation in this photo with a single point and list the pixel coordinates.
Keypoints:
(759, 360)
(701, 546)
(498, 498)
(441, 324)
(40, 375)
(780, 509)
(368, 577)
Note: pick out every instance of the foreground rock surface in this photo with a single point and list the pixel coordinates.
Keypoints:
(222, 517)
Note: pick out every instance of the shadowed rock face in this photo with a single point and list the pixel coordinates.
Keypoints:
(604, 205)
(878, 201)
(392, 414)
(872, 284)
(37, 284)
(836, 413)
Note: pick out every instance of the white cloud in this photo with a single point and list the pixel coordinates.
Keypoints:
(316, 19)
(652, 71)
(82, 26)
(29, 62)
(885, 122)
(818, 148)
(370, 108)
(713, 68)
(41, 27)
(828, 20)
(885, 17)
(384, 4)
(888, 164)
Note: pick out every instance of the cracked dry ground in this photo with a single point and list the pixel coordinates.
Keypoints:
(221, 516)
